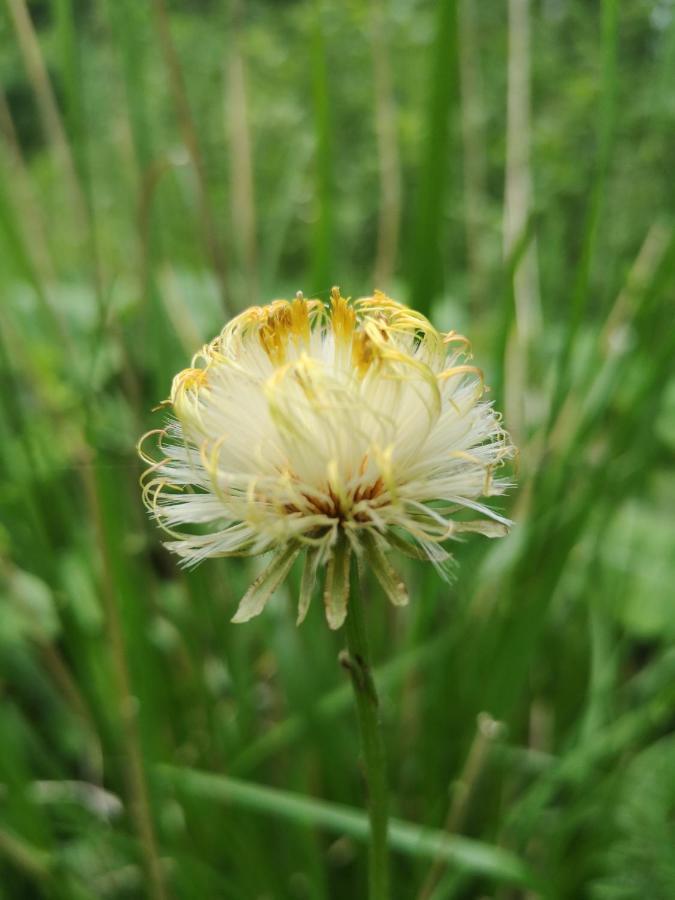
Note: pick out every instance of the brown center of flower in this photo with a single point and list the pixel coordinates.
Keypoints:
(336, 507)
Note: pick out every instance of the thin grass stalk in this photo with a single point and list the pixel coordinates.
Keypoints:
(604, 655)
(389, 165)
(78, 190)
(605, 140)
(137, 787)
(242, 192)
(518, 188)
(127, 21)
(633, 312)
(504, 323)
(72, 81)
(47, 105)
(517, 213)
(613, 337)
(487, 731)
(45, 869)
(75, 129)
(323, 263)
(150, 181)
(578, 412)
(27, 205)
(474, 161)
(23, 217)
(611, 742)
(606, 118)
(63, 678)
(178, 311)
(34, 862)
(279, 211)
(189, 134)
(357, 663)
(128, 26)
(428, 258)
(538, 569)
(12, 409)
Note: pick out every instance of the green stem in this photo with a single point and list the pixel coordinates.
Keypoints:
(358, 665)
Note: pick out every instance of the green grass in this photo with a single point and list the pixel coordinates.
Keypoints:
(149, 747)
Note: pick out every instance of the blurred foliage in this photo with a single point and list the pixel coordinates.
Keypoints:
(164, 164)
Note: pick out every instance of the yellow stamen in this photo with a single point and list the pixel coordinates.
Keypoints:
(453, 337)
(364, 352)
(343, 317)
(274, 331)
(462, 370)
(188, 380)
(300, 318)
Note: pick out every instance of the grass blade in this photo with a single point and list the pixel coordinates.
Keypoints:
(465, 853)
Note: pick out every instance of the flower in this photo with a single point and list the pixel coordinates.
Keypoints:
(340, 429)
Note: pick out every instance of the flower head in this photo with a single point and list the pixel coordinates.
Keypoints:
(330, 429)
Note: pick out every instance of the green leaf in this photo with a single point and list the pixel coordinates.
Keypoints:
(412, 840)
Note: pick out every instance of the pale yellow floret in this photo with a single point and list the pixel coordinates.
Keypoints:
(188, 383)
(365, 352)
(399, 318)
(342, 317)
(300, 322)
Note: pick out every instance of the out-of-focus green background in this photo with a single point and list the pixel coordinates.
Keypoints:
(507, 168)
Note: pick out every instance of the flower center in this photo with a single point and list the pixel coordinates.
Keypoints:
(342, 507)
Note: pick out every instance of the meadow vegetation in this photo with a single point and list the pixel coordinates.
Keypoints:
(508, 170)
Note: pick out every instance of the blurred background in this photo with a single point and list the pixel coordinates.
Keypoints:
(507, 168)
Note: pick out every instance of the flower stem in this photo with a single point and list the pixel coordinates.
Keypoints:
(367, 707)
